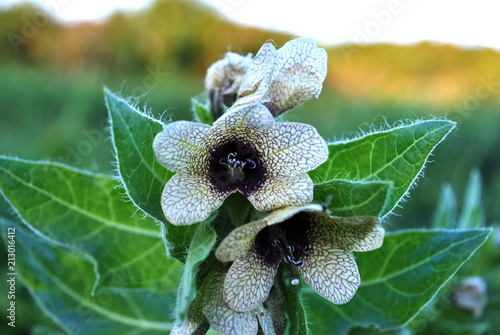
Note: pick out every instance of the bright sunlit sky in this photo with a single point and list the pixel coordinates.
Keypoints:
(464, 23)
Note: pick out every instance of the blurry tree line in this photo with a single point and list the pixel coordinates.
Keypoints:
(189, 36)
(173, 34)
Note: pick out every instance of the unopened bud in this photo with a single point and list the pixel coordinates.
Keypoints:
(224, 79)
(470, 294)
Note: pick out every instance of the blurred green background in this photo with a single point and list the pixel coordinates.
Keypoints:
(52, 106)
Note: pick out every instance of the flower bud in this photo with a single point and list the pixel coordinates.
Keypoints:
(470, 294)
(224, 79)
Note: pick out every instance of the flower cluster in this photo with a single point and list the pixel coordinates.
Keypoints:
(247, 151)
(317, 244)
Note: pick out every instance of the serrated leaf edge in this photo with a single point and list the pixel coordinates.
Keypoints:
(403, 124)
(163, 229)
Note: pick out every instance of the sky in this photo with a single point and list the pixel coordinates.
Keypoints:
(463, 23)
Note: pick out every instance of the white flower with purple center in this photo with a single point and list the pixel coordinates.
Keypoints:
(285, 78)
(308, 238)
(244, 151)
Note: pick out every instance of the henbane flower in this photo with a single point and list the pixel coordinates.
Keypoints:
(316, 243)
(245, 151)
(285, 78)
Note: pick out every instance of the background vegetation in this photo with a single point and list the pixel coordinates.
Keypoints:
(52, 106)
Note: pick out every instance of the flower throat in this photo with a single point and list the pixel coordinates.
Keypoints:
(236, 165)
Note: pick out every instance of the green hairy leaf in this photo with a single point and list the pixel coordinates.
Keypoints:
(397, 155)
(446, 211)
(87, 213)
(298, 318)
(201, 246)
(60, 281)
(472, 215)
(350, 198)
(408, 271)
(133, 133)
(201, 109)
(143, 177)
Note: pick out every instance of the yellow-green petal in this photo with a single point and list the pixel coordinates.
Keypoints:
(299, 71)
(285, 78)
(188, 199)
(242, 122)
(221, 317)
(357, 233)
(293, 148)
(182, 147)
(257, 78)
(331, 272)
(239, 241)
(248, 282)
(283, 191)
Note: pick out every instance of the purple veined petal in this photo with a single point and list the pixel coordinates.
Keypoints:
(182, 147)
(221, 317)
(239, 241)
(293, 148)
(280, 215)
(330, 271)
(257, 79)
(357, 233)
(283, 191)
(276, 306)
(188, 199)
(195, 322)
(248, 282)
(242, 122)
(299, 71)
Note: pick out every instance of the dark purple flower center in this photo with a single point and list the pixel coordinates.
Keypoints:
(236, 165)
(288, 240)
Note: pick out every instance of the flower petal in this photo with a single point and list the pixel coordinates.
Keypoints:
(265, 321)
(239, 241)
(286, 213)
(283, 191)
(257, 78)
(293, 148)
(285, 78)
(242, 122)
(181, 147)
(188, 199)
(357, 233)
(298, 74)
(222, 318)
(331, 272)
(231, 69)
(248, 282)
